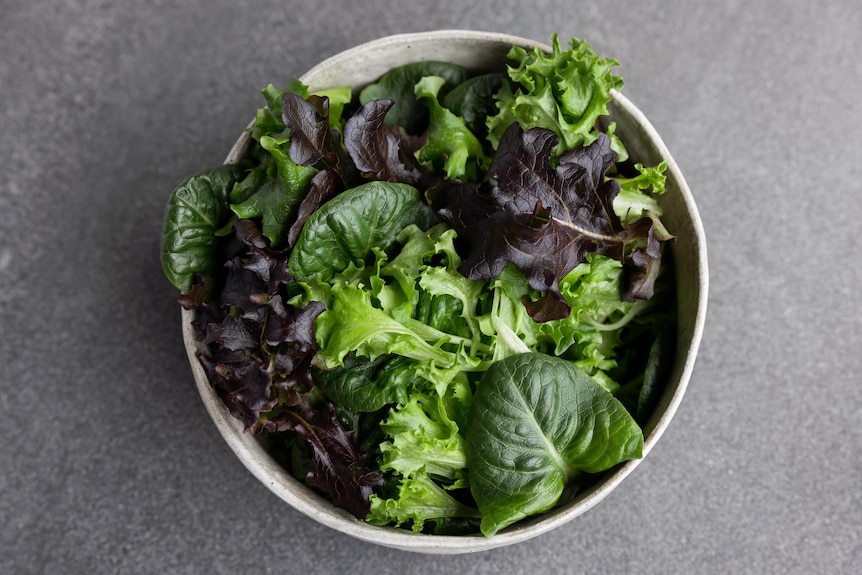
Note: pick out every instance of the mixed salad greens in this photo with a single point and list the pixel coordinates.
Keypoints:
(439, 299)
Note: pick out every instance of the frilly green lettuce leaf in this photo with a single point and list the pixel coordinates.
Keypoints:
(276, 201)
(565, 92)
(424, 439)
(419, 499)
(352, 323)
(451, 146)
(636, 196)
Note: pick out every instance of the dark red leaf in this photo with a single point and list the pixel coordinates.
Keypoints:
(288, 324)
(309, 122)
(242, 383)
(541, 218)
(382, 152)
(234, 333)
(324, 185)
(338, 466)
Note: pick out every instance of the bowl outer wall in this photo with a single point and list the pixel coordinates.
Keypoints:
(484, 51)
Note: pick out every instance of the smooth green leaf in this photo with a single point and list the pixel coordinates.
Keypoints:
(473, 100)
(196, 210)
(345, 229)
(537, 422)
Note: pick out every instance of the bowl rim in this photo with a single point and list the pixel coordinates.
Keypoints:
(314, 506)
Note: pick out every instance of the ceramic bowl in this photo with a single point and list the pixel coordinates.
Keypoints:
(482, 51)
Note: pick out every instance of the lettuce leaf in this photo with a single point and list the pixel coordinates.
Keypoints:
(383, 152)
(451, 146)
(424, 438)
(545, 219)
(353, 323)
(565, 92)
(276, 201)
(636, 198)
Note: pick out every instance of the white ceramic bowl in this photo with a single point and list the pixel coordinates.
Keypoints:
(482, 51)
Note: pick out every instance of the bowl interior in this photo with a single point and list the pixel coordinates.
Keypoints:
(481, 51)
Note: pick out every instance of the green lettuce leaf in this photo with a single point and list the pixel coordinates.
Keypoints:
(634, 198)
(590, 335)
(565, 92)
(424, 439)
(419, 499)
(451, 145)
(352, 323)
(268, 120)
(276, 201)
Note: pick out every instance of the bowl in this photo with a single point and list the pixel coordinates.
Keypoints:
(479, 52)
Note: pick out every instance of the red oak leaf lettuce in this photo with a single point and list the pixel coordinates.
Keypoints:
(383, 152)
(545, 219)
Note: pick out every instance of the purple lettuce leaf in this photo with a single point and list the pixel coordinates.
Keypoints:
(338, 467)
(545, 219)
(383, 152)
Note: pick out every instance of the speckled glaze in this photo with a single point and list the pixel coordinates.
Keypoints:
(479, 51)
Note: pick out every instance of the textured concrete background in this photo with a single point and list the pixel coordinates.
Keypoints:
(108, 461)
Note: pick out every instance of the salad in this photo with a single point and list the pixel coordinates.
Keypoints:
(439, 299)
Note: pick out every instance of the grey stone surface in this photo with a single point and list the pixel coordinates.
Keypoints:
(108, 462)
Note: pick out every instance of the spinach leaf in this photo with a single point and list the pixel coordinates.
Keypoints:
(366, 386)
(659, 361)
(473, 100)
(398, 84)
(536, 423)
(195, 211)
(346, 229)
